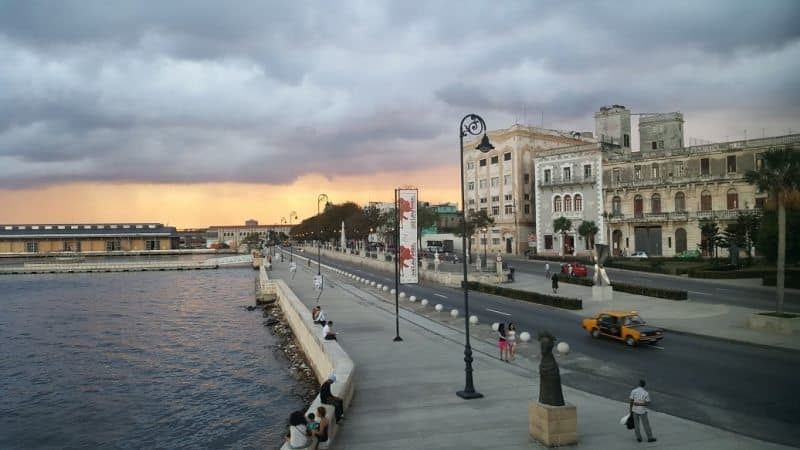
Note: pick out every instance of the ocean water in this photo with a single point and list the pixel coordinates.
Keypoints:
(139, 360)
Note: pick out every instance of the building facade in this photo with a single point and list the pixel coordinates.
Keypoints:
(569, 184)
(501, 182)
(233, 235)
(86, 238)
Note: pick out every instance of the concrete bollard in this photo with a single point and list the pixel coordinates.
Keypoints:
(402, 295)
(385, 288)
(438, 307)
(473, 320)
(562, 348)
(495, 326)
(525, 336)
(453, 313)
(424, 302)
(412, 299)
(392, 291)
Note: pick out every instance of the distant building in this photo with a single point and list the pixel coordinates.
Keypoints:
(86, 238)
(192, 238)
(233, 235)
(448, 217)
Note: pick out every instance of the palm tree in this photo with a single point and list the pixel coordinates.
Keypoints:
(562, 225)
(474, 222)
(779, 175)
(588, 230)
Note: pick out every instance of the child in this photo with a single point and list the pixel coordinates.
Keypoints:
(312, 424)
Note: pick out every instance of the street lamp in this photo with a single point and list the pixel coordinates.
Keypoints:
(320, 198)
(471, 124)
(291, 250)
(486, 263)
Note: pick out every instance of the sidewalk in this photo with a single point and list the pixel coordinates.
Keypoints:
(405, 391)
(715, 320)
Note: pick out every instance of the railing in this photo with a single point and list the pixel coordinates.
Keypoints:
(571, 180)
(680, 216)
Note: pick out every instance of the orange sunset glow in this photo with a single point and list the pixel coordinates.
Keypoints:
(203, 205)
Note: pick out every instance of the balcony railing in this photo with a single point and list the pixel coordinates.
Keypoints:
(568, 181)
(679, 216)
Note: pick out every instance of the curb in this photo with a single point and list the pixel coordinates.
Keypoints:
(731, 340)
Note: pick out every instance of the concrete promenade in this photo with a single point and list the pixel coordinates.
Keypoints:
(405, 391)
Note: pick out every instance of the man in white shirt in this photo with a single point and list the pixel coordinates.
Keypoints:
(640, 399)
(327, 332)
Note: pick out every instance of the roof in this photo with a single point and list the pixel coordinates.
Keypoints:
(20, 231)
(254, 227)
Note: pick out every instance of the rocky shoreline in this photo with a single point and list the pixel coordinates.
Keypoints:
(307, 387)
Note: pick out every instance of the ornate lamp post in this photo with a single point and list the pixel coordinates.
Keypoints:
(320, 198)
(471, 124)
(292, 214)
(485, 262)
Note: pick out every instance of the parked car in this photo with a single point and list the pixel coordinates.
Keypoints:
(638, 255)
(689, 255)
(578, 269)
(625, 326)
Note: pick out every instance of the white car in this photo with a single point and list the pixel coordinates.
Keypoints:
(639, 255)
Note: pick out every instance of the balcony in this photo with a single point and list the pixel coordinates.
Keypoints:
(616, 218)
(553, 182)
(679, 216)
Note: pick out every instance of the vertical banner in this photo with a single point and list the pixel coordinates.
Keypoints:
(407, 249)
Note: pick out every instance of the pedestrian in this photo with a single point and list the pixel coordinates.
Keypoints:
(511, 337)
(298, 431)
(547, 270)
(325, 396)
(327, 332)
(502, 342)
(554, 279)
(321, 432)
(571, 268)
(639, 401)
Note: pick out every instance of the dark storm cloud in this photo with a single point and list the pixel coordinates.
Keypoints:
(252, 91)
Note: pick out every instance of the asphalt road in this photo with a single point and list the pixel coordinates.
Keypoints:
(738, 387)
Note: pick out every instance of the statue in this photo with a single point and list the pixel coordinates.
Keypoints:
(600, 257)
(549, 377)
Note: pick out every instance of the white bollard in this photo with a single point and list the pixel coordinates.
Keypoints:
(372, 283)
(402, 295)
(562, 348)
(495, 326)
(424, 302)
(525, 336)
(438, 307)
(385, 288)
(392, 291)
(473, 320)
(453, 313)
(412, 299)
(379, 286)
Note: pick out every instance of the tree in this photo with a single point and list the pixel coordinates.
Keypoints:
(588, 230)
(426, 218)
(747, 225)
(708, 236)
(562, 225)
(473, 223)
(252, 240)
(780, 176)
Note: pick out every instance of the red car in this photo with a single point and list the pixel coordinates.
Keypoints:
(578, 269)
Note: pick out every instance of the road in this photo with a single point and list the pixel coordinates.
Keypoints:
(737, 387)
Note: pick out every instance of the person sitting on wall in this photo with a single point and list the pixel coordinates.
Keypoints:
(327, 331)
(318, 316)
(325, 396)
(299, 435)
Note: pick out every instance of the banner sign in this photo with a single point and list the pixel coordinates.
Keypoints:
(407, 250)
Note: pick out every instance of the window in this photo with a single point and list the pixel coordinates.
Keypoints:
(567, 203)
(471, 186)
(527, 196)
(705, 201)
(660, 144)
(113, 245)
(482, 183)
(506, 156)
(495, 210)
(509, 209)
(548, 241)
(616, 206)
(483, 199)
(731, 164)
(483, 209)
(654, 145)
(526, 178)
(471, 201)
(655, 203)
(733, 199)
(495, 198)
(637, 172)
(587, 171)
(471, 212)
(578, 202)
(678, 169)
(557, 204)
(67, 246)
(32, 247)
(638, 203)
(495, 181)
(506, 180)
(704, 166)
(153, 245)
(680, 202)
(495, 241)
(626, 140)
(616, 177)
(761, 202)
(470, 165)
(567, 174)
(507, 197)
(482, 163)
(654, 171)
(494, 159)
(527, 208)
(547, 175)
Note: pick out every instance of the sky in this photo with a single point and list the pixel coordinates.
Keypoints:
(199, 113)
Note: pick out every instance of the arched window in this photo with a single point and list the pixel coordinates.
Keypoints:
(638, 206)
(680, 240)
(616, 206)
(733, 199)
(655, 203)
(578, 202)
(705, 201)
(567, 203)
(680, 203)
(557, 204)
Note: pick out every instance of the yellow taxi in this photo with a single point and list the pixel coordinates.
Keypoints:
(625, 326)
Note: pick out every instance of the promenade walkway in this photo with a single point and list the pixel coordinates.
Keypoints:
(405, 391)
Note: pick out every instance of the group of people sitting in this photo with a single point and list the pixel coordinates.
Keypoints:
(306, 432)
(327, 325)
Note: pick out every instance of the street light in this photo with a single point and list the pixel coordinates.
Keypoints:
(484, 230)
(291, 250)
(320, 197)
(471, 124)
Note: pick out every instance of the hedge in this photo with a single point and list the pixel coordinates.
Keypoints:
(534, 297)
(791, 280)
(729, 274)
(670, 294)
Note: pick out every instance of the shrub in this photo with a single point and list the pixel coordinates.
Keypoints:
(582, 281)
(671, 294)
(791, 279)
(534, 297)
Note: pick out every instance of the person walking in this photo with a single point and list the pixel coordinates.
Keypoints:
(639, 400)
(554, 279)
(502, 342)
(547, 270)
(511, 337)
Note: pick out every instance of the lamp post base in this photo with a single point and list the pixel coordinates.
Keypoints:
(469, 395)
(397, 339)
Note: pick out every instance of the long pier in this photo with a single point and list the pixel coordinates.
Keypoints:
(132, 266)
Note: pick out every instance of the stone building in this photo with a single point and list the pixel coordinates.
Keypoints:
(233, 235)
(501, 182)
(87, 238)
